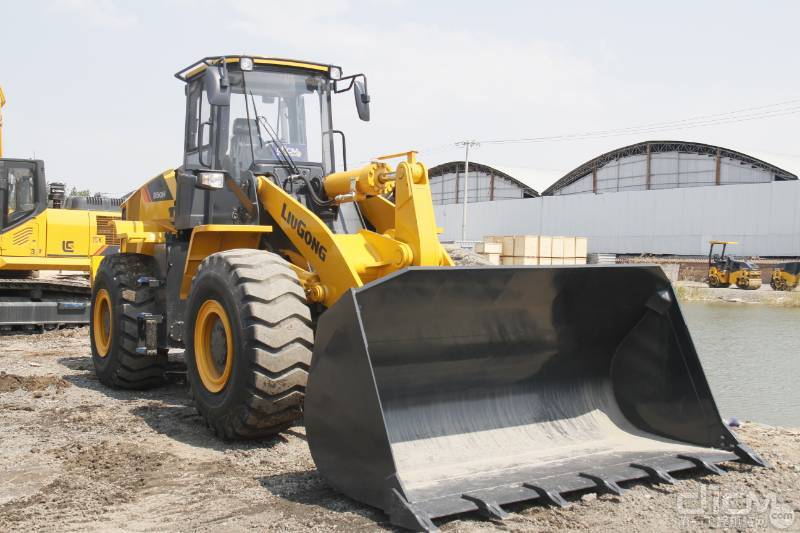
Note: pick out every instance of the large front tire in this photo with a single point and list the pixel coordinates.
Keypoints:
(248, 341)
(117, 301)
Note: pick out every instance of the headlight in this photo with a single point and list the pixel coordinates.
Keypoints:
(335, 73)
(210, 180)
(246, 63)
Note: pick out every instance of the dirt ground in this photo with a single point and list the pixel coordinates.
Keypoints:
(77, 456)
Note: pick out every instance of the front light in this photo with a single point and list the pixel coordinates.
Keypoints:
(246, 63)
(210, 180)
(335, 73)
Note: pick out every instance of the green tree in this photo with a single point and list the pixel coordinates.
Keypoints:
(83, 192)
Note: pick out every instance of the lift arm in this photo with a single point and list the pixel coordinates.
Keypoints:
(331, 264)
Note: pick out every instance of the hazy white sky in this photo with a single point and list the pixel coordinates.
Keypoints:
(90, 87)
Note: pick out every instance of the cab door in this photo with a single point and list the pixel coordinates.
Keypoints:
(22, 204)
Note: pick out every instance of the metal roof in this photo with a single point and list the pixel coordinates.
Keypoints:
(661, 147)
(458, 166)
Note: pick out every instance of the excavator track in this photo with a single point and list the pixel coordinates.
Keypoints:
(30, 304)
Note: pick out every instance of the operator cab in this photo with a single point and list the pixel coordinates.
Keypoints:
(22, 191)
(249, 116)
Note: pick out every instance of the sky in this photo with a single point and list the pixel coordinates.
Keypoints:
(90, 84)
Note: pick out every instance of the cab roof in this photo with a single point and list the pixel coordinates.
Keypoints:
(200, 66)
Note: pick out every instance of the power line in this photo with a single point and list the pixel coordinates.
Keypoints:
(774, 110)
(687, 123)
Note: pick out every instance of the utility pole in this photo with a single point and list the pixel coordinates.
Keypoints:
(466, 145)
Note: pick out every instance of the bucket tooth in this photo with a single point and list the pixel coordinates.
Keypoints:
(403, 514)
(550, 496)
(489, 509)
(658, 475)
(701, 463)
(606, 485)
(747, 455)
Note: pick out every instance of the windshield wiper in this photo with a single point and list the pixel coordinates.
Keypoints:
(280, 149)
(284, 157)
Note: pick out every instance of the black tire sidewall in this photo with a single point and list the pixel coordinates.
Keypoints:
(213, 285)
(106, 367)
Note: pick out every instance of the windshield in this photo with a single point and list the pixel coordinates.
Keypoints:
(269, 109)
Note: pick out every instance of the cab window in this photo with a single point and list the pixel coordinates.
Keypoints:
(20, 191)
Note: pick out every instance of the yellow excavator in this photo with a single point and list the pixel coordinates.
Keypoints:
(725, 270)
(42, 232)
(301, 288)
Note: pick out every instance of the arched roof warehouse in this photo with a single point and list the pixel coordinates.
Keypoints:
(486, 184)
(666, 165)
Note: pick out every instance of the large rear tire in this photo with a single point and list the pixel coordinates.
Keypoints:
(248, 341)
(117, 301)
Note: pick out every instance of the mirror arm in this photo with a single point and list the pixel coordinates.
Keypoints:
(351, 79)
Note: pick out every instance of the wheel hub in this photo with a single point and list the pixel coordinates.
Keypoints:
(219, 345)
(101, 321)
(213, 346)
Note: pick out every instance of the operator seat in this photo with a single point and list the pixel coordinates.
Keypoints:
(241, 156)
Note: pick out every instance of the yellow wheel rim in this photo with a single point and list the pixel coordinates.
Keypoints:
(213, 346)
(101, 318)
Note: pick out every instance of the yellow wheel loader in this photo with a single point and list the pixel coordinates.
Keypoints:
(42, 230)
(785, 276)
(724, 270)
(299, 287)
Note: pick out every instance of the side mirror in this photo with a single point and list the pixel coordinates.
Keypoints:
(362, 100)
(217, 87)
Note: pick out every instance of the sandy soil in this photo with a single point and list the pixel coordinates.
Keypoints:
(77, 456)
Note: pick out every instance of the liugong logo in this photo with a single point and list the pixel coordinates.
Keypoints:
(302, 231)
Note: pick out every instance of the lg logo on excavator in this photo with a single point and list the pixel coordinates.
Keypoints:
(300, 227)
(68, 246)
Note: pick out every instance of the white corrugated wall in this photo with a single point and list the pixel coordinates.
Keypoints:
(764, 218)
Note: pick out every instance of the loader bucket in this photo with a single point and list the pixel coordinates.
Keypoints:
(437, 391)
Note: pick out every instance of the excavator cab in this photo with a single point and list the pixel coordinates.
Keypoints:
(725, 270)
(23, 191)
